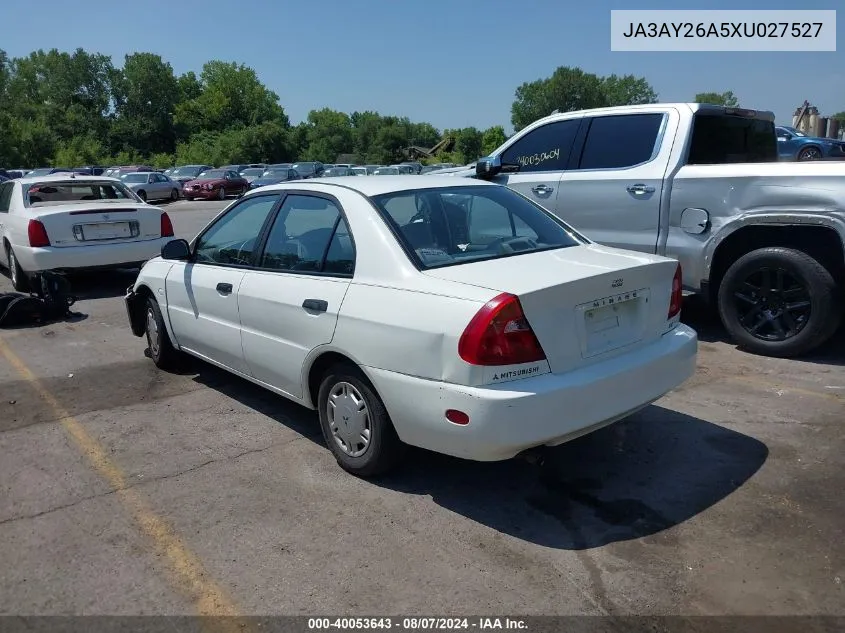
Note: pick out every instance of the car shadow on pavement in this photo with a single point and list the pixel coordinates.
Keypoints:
(101, 284)
(705, 321)
(630, 480)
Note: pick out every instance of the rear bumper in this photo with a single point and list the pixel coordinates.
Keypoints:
(550, 409)
(89, 257)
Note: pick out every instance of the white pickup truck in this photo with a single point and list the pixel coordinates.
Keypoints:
(760, 239)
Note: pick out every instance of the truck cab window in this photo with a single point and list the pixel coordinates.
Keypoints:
(545, 148)
(616, 142)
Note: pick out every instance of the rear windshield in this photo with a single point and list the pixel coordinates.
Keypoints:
(445, 226)
(719, 139)
(47, 193)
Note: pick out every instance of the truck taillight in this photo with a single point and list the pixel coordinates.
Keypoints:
(166, 226)
(499, 334)
(37, 234)
(677, 293)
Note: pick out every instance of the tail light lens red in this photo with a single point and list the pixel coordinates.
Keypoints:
(166, 226)
(677, 293)
(37, 234)
(499, 334)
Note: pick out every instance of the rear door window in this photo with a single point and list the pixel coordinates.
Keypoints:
(5, 196)
(617, 142)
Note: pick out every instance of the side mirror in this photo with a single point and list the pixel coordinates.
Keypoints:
(178, 250)
(488, 167)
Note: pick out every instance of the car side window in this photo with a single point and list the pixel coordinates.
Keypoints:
(301, 235)
(234, 237)
(6, 189)
(625, 140)
(545, 148)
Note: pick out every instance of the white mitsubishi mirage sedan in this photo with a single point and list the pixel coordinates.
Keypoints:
(457, 316)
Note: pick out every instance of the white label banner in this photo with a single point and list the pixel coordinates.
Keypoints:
(775, 30)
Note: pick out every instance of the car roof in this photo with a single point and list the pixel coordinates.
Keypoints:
(381, 185)
(65, 176)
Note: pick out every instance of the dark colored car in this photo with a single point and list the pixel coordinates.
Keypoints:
(215, 183)
(311, 169)
(274, 177)
(89, 170)
(795, 145)
(186, 173)
(240, 168)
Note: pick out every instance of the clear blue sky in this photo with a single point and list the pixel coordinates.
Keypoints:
(453, 63)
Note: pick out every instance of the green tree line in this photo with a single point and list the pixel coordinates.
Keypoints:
(77, 108)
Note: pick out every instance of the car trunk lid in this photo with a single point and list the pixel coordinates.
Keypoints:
(89, 223)
(584, 303)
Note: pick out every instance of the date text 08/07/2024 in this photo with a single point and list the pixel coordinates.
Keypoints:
(416, 623)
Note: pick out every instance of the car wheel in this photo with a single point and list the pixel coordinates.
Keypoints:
(142, 195)
(189, 198)
(164, 355)
(19, 278)
(221, 195)
(810, 153)
(174, 195)
(779, 302)
(355, 423)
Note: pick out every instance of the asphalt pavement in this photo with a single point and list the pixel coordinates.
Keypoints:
(126, 490)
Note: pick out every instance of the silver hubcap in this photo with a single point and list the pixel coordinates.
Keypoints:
(153, 334)
(812, 154)
(349, 419)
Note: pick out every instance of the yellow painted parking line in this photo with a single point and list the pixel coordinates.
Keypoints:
(186, 570)
(773, 387)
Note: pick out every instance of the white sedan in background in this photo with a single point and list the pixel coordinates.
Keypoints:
(456, 316)
(68, 222)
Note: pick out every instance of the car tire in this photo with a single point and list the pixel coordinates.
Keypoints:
(221, 195)
(349, 387)
(161, 349)
(189, 198)
(174, 195)
(142, 195)
(810, 153)
(17, 275)
(772, 291)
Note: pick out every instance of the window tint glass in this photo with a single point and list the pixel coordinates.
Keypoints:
(301, 234)
(455, 225)
(340, 257)
(232, 239)
(5, 196)
(620, 141)
(723, 139)
(544, 149)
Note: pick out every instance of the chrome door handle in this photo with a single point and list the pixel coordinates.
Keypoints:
(541, 189)
(640, 189)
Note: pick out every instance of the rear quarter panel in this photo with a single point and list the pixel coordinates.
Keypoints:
(743, 194)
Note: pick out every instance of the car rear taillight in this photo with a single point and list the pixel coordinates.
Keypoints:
(166, 226)
(499, 334)
(37, 234)
(677, 293)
